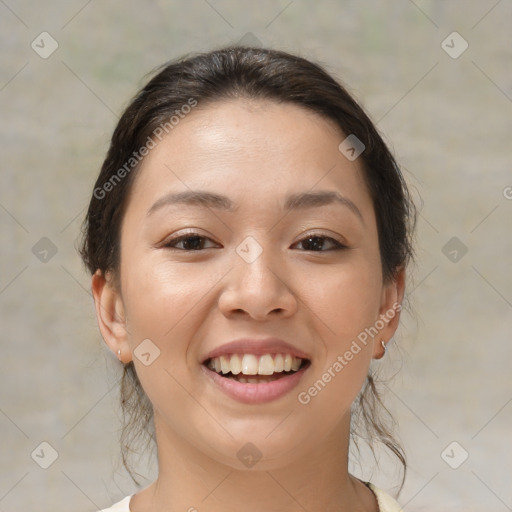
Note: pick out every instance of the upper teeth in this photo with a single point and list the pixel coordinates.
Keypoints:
(249, 364)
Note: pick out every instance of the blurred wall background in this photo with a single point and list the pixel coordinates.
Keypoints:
(444, 102)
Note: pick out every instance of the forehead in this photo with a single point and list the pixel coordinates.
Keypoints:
(249, 149)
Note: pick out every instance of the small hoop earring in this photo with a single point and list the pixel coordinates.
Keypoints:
(384, 347)
(119, 353)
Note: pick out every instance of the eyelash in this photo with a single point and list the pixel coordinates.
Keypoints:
(170, 244)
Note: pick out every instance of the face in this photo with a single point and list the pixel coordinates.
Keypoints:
(280, 246)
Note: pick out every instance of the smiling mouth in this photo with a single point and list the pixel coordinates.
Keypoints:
(253, 369)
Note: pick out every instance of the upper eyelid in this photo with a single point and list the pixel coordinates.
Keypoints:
(178, 238)
(337, 243)
(193, 232)
(339, 240)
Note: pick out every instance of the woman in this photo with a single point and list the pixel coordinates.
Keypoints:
(248, 238)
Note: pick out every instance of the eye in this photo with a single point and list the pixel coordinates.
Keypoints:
(195, 242)
(320, 243)
(189, 242)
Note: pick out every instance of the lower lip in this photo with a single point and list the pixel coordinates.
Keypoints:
(255, 393)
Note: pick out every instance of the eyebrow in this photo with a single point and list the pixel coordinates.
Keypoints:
(219, 202)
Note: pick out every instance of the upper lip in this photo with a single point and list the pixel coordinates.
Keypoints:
(256, 347)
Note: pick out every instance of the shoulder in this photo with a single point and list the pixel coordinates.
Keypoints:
(120, 506)
(385, 501)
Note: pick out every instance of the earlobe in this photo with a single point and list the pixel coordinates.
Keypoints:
(110, 315)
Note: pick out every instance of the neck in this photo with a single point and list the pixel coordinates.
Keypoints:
(318, 480)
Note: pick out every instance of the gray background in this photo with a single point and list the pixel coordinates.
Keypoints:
(449, 122)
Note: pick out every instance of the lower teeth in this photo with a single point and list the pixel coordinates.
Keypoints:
(256, 379)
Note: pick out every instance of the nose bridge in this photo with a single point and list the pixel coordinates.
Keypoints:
(257, 285)
(256, 260)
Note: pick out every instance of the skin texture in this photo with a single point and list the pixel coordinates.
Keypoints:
(188, 303)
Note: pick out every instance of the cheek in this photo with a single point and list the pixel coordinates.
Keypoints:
(345, 297)
(167, 303)
(159, 295)
(163, 304)
(345, 303)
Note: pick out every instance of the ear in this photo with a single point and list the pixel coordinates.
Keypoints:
(389, 312)
(110, 315)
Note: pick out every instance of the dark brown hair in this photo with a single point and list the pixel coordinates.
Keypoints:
(254, 73)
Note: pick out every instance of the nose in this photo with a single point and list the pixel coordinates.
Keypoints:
(259, 290)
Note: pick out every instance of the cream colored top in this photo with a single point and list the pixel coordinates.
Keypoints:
(385, 501)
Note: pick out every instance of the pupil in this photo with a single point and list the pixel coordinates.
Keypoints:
(317, 244)
(196, 244)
